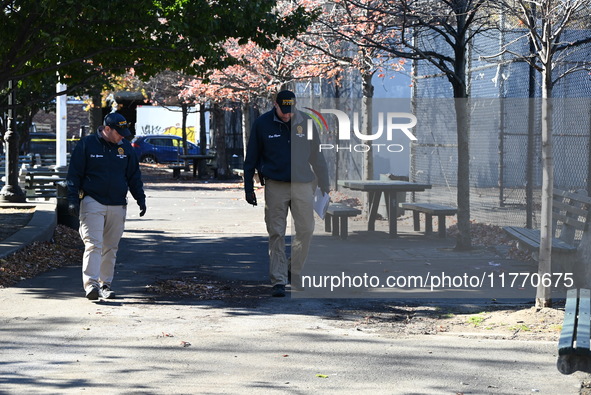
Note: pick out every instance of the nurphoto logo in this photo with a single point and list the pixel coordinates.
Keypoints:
(388, 123)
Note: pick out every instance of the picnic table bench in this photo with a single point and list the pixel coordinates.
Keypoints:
(41, 183)
(575, 338)
(429, 209)
(45, 160)
(176, 170)
(22, 160)
(197, 159)
(336, 219)
(570, 223)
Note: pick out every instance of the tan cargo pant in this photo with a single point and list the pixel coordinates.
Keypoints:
(281, 197)
(101, 228)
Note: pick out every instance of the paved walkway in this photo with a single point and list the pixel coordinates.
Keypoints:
(55, 341)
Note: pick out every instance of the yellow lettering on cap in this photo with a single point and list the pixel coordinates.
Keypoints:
(287, 102)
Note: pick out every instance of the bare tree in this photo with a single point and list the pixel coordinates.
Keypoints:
(546, 24)
(344, 32)
(438, 32)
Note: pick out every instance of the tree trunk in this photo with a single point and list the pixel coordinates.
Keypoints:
(185, 112)
(95, 115)
(219, 121)
(202, 130)
(245, 127)
(464, 239)
(543, 294)
(461, 103)
(366, 128)
(366, 124)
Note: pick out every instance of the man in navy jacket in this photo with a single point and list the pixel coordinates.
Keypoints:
(290, 166)
(103, 168)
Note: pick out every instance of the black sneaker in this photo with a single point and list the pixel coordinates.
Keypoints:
(107, 292)
(278, 291)
(92, 293)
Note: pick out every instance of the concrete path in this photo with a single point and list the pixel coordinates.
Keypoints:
(54, 341)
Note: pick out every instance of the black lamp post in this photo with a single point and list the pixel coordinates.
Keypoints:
(11, 191)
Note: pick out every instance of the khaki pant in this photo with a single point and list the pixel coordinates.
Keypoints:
(281, 197)
(101, 228)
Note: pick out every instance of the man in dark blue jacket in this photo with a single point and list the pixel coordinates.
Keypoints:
(103, 168)
(290, 166)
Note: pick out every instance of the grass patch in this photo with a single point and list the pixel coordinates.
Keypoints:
(520, 327)
(476, 320)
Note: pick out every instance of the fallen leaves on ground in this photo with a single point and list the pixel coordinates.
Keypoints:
(206, 289)
(340, 197)
(64, 249)
(492, 236)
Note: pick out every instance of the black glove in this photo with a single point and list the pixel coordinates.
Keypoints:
(74, 209)
(325, 189)
(251, 198)
(142, 208)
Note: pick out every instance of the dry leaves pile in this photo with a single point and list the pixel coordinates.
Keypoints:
(492, 236)
(64, 249)
(339, 197)
(207, 289)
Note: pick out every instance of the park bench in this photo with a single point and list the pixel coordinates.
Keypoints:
(570, 223)
(430, 210)
(41, 183)
(45, 160)
(574, 342)
(336, 219)
(22, 160)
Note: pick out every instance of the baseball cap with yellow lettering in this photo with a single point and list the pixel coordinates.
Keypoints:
(286, 101)
(117, 122)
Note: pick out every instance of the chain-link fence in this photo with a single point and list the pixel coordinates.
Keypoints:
(505, 134)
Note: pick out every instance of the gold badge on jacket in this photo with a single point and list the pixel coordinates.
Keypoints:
(120, 150)
(300, 131)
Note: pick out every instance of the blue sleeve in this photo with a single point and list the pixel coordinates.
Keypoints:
(134, 176)
(251, 162)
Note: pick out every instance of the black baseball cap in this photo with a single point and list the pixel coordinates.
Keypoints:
(117, 122)
(286, 101)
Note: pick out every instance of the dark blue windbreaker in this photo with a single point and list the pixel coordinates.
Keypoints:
(104, 171)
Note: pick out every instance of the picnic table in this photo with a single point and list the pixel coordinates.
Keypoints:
(196, 160)
(377, 188)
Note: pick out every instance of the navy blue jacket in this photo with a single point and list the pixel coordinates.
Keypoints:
(104, 171)
(282, 154)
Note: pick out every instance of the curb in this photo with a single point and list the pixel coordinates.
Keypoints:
(40, 227)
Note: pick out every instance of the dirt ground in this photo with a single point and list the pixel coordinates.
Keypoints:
(515, 323)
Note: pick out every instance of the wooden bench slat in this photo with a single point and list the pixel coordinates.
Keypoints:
(531, 237)
(573, 346)
(583, 332)
(430, 208)
(573, 196)
(567, 335)
(340, 210)
(570, 221)
(558, 206)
